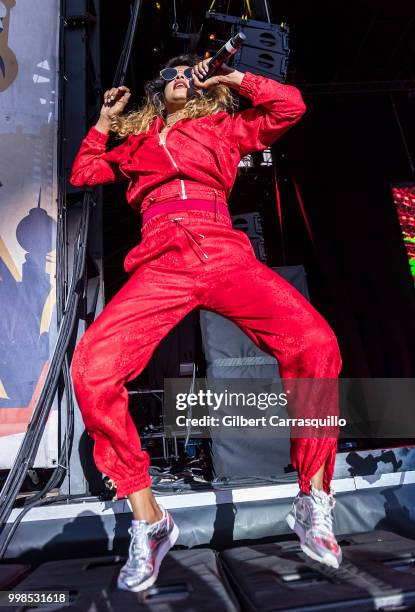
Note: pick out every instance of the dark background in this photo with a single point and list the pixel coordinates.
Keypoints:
(354, 64)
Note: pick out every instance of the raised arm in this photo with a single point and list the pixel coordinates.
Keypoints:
(93, 164)
(276, 107)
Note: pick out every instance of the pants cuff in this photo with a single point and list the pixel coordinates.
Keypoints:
(127, 487)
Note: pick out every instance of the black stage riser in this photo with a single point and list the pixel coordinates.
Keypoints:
(377, 572)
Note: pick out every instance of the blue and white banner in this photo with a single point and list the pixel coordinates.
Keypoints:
(29, 33)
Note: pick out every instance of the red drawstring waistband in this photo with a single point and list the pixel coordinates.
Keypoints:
(220, 210)
(191, 236)
(186, 205)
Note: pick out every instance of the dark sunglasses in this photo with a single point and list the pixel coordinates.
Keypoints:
(168, 74)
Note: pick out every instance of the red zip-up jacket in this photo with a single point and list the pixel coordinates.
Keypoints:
(200, 157)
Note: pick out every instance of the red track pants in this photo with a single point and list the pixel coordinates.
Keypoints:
(184, 261)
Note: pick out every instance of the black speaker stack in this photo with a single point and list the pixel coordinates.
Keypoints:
(266, 50)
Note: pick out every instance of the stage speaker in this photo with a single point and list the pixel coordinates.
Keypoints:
(266, 49)
(272, 65)
(251, 224)
(377, 568)
(229, 354)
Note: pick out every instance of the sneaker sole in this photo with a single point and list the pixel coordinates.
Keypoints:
(300, 531)
(161, 553)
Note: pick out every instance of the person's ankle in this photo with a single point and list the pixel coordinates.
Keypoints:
(157, 515)
(152, 515)
(317, 486)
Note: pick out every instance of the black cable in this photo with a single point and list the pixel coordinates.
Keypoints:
(189, 408)
(128, 45)
(56, 476)
(61, 260)
(68, 317)
(30, 444)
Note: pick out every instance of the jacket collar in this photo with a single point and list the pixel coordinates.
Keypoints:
(158, 123)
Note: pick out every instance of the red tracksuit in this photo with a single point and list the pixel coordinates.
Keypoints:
(195, 259)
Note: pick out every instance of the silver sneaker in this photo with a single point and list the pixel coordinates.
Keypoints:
(149, 545)
(311, 519)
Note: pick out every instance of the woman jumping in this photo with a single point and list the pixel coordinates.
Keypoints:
(181, 153)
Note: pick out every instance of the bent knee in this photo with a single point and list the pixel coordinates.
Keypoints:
(323, 339)
(77, 365)
(81, 360)
(94, 366)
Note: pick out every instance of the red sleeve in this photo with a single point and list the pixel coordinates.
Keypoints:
(276, 107)
(93, 165)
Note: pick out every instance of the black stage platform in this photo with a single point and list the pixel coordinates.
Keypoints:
(377, 573)
(374, 490)
(235, 550)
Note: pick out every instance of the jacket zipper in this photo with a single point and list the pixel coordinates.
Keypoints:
(184, 194)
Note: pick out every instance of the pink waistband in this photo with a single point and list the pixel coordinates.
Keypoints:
(184, 205)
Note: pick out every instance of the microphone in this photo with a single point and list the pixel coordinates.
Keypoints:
(224, 53)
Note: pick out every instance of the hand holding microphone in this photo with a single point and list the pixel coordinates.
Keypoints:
(203, 71)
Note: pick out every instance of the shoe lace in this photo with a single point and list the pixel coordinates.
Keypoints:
(322, 517)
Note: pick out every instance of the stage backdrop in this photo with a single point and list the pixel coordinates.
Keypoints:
(28, 129)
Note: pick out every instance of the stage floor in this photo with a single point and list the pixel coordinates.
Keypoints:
(377, 572)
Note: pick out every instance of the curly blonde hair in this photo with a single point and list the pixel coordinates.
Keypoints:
(213, 100)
